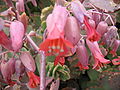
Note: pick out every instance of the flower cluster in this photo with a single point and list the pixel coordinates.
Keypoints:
(65, 35)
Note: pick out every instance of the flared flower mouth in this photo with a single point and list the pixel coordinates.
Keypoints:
(116, 61)
(55, 46)
(34, 80)
(92, 35)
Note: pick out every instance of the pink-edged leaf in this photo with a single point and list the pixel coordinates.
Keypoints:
(7, 69)
(28, 61)
(5, 41)
(16, 34)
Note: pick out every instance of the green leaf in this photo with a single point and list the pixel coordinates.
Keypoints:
(45, 12)
(50, 58)
(93, 74)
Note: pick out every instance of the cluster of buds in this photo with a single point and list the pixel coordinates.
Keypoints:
(65, 35)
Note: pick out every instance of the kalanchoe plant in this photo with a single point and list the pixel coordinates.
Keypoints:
(72, 36)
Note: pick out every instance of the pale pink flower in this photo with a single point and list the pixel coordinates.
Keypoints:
(82, 55)
(72, 30)
(98, 56)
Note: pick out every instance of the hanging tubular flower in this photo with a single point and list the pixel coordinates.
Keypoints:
(115, 47)
(98, 56)
(34, 80)
(92, 35)
(55, 43)
(82, 55)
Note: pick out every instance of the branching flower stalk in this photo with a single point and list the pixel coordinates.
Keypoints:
(42, 62)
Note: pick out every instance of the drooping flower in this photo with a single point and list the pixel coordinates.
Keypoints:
(82, 55)
(110, 36)
(115, 46)
(97, 54)
(20, 6)
(34, 80)
(55, 43)
(16, 34)
(72, 30)
(92, 35)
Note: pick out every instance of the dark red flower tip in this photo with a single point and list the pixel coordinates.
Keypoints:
(55, 46)
(34, 80)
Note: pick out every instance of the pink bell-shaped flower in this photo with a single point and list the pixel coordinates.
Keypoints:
(82, 55)
(55, 44)
(72, 30)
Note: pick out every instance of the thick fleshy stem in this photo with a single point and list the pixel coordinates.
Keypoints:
(42, 62)
(42, 71)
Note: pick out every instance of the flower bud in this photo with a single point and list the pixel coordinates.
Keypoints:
(96, 17)
(102, 28)
(115, 46)
(72, 30)
(20, 6)
(16, 34)
(24, 20)
(19, 68)
(110, 35)
(27, 61)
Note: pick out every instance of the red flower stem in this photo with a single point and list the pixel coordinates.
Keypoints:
(42, 62)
